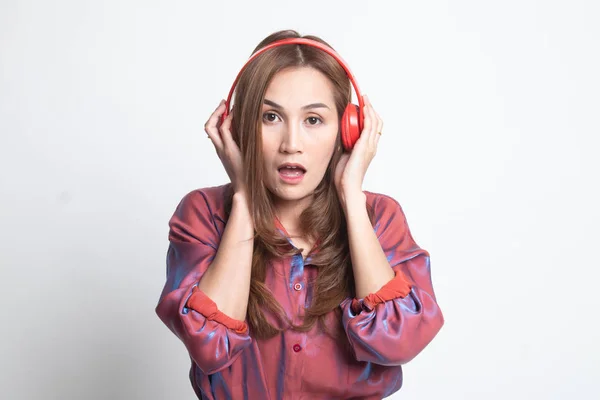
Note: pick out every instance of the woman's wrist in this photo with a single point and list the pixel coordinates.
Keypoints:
(240, 196)
(241, 202)
(354, 202)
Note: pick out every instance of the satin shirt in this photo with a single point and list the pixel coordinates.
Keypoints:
(383, 331)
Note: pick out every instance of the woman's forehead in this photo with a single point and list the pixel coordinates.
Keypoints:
(298, 87)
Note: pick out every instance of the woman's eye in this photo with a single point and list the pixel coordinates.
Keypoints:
(313, 120)
(269, 117)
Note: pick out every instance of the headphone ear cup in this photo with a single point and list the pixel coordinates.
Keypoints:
(350, 126)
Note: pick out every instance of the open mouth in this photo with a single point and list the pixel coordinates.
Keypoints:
(291, 173)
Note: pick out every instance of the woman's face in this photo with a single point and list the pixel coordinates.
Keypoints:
(299, 127)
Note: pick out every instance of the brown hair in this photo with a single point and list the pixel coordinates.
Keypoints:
(323, 220)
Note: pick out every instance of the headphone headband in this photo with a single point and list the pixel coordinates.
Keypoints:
(308, 42)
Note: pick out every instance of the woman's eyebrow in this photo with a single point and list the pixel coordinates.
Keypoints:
(306, 107)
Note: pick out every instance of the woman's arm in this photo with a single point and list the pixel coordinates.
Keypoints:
(205, 296)
(395, 314)
(227, 281)
(369, 263)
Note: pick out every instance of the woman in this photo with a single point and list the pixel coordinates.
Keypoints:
(291, 282)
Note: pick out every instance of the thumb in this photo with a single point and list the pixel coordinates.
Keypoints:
(341, 166)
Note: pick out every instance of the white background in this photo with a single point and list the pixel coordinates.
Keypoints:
(491, 113)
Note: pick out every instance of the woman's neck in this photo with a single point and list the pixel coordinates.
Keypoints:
(288, 213)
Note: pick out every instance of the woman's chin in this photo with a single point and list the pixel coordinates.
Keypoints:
(295, 193)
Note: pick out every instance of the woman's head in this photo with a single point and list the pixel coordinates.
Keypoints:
(288, 104)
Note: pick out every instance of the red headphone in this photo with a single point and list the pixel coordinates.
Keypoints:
(352, 119)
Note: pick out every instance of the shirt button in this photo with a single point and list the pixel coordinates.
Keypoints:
(298, 286)
(297, 348)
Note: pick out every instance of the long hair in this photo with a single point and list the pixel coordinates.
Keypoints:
(322, 220)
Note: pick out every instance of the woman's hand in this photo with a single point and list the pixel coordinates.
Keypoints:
(227, 150)
(352, 167)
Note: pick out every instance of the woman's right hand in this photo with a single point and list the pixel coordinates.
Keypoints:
(227, 150)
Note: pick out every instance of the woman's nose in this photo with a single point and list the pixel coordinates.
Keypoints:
(291, 141)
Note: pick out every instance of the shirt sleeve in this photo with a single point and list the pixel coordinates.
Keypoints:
(393, 325)
(213, 339)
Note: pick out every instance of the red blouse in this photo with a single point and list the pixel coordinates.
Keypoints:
(384, 330)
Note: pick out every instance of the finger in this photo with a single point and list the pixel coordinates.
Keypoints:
(379, 129)
(374, 123)
(378, 126)
(211, 127)
(213, 121)
(225, 130)
(378, 136)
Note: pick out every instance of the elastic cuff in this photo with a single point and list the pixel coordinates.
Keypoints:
(397, 287)
(356, 306)
(203, 304)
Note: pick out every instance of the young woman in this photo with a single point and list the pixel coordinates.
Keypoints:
(291, 281)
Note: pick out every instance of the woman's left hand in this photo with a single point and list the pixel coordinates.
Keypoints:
(352, 167)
